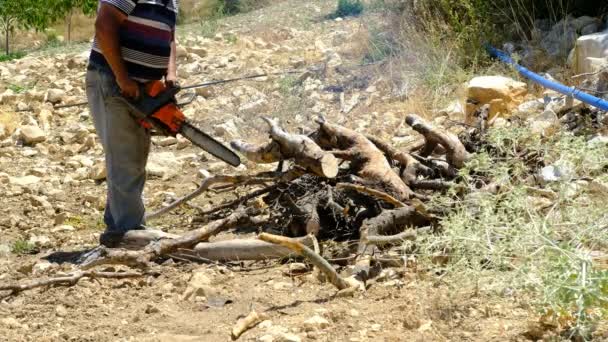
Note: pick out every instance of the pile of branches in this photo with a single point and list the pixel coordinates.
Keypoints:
(331, 184)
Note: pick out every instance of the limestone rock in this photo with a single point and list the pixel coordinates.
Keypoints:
(166, 141)
(590, 51)
(3, 132)
(40, 241)
(502, 93)
(32, 135)
(199, 51)
(453, 110)
(543, 122)
(198, 286)
(227, 130)
(316, 323)
(24, 181)
(98, 171)
(561, 39)
(55, 95)
(163, 164)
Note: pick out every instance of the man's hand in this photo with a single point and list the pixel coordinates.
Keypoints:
(171, 81)
(128, 87)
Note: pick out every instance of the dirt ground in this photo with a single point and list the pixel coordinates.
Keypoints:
(409, 305)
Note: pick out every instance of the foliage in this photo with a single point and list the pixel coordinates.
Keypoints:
(381, 46)
(470, 23)
(23, 247)
(35, 14)
(348, 8)
(12, 56)
(522, 238)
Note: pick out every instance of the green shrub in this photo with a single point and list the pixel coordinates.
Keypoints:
(12, 56)
(348, 8)
(23, 247)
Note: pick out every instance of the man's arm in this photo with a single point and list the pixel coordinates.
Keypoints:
(107, 26)
(171, 78)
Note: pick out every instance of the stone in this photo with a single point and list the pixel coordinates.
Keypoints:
(453, 110)
(199, 51)
(542, 123)
(555, 173)
(163, 164)
(206, 92)
(295, 268)
(166, 141)
(198, 286)
(24, 181)
(44, 117)
(227, 130)
(40, 241)
(560, 40)
(533, 106)
(8, 97)
(266, 338)
(10, 323)
(31, 135)
(181, 51)
(502, 93)
(40, 201)
(316, 323)
(3, 132)
(588, 50)
(63, 229)
(41, 267)
(5, 250)
(61, 311)
(204, 174)
(55, 95)
(98, 172)
(287, 337)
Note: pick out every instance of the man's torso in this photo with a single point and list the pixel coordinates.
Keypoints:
(145, 37)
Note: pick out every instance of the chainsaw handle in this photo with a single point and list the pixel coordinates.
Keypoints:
(147, 104)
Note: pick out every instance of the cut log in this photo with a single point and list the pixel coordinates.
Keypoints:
(242, 249)
(456, 153)
(302, 149)
(367, 161)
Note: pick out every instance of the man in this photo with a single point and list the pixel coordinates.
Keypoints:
(134, 44)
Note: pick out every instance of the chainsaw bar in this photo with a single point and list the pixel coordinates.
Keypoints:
(207, 143)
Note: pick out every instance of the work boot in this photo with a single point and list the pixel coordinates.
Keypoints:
(112, 239)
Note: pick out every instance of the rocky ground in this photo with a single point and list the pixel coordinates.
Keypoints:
(52, 192)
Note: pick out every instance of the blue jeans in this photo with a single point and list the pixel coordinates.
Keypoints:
(126, 145)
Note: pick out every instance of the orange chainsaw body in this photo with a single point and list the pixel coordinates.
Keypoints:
(169, 116)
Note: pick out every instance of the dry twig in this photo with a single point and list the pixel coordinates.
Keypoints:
(67, 280)
(310, 255)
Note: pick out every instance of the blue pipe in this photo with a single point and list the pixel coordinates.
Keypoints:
(568, 91)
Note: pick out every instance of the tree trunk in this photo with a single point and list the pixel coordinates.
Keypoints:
(70, 26)
(7, 33)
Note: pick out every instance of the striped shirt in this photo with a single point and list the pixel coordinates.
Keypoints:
(145, 38)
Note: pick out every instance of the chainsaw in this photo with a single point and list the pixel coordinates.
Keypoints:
(156, 107)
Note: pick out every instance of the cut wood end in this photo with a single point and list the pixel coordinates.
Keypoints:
(329, 165)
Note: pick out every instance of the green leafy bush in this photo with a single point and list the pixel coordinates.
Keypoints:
(348, 8)
(11, 56)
